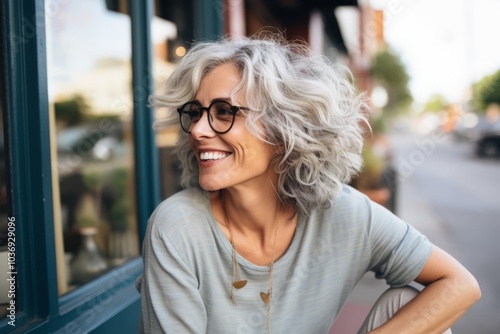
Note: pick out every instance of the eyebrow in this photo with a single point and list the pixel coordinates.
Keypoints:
(225, 99)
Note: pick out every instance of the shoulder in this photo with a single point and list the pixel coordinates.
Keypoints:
(350, 194)
(353, 209)
(349, 214)
(181, 210)
(350, 202)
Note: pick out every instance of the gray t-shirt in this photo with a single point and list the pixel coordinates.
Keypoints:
(186, 283)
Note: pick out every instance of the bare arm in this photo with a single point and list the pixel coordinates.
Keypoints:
(449, 291)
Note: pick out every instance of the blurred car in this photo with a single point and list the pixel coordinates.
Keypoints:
(91, 141)
(488, 145)
(470, 127)
(488, 142)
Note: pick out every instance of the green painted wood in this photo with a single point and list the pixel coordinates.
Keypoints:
(126, 323)
(107, 300)
(146, 152)
(27, 108)
(209, 21)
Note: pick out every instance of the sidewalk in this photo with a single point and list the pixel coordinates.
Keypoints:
(358, 305)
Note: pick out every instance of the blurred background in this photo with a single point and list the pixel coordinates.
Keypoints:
(430, 68)
(434, 80)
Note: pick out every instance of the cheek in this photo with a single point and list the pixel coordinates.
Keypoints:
(250, 150)
(258, 154)
(253, 152)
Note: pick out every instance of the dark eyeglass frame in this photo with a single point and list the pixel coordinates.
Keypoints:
(233, 109)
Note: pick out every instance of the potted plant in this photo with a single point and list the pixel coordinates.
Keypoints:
(88, 261)
(370, 180)
(121, 243)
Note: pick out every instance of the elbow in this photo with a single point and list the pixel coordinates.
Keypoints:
(464, 288)
(476, 291)
(471, 290)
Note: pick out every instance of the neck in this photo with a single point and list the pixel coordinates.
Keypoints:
(253, 213)
(252, 218)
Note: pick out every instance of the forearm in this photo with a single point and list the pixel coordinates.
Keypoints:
(436, 308)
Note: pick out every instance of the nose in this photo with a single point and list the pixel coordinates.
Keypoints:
(202, 128)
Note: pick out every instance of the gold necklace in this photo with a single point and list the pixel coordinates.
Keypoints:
(237, 282)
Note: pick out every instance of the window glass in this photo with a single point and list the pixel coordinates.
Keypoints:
(90, 95)
(169, 45)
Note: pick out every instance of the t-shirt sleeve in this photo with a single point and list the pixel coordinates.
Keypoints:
(171, 302)
(398, 251)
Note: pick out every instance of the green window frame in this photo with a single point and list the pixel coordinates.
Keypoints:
(93, 307)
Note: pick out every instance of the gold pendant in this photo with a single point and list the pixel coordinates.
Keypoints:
(239, 284)
(265, 297)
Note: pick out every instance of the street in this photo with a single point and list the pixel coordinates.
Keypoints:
(453, 197)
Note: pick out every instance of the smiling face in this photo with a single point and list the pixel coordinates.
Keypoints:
(233, 159)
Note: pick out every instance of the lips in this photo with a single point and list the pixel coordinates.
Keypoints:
(205, 156)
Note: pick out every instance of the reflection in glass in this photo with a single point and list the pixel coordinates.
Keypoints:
(89, 74)
(165, 38)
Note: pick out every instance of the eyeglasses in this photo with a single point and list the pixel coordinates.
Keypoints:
(221, 115)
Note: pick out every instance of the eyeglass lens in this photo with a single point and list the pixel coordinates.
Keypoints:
(221, 116)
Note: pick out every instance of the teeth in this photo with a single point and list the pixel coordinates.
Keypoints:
(212, 155)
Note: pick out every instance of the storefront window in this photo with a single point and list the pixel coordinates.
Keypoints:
(169, 45)
(90, 95)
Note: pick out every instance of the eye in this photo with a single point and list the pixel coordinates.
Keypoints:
(192, 111)
(193, 114)
(223, 111)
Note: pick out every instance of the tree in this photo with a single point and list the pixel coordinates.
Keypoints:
(486, 91)
(436, 103)
(72, 110)
(389, 72)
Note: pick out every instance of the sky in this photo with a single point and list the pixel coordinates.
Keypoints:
(445, 44)
(73, 26)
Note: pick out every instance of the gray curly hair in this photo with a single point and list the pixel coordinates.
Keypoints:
(297, 99)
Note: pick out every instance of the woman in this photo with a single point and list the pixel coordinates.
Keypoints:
(267, 236)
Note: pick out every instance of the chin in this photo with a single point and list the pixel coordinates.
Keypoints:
(214, 182)
(210, 186)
